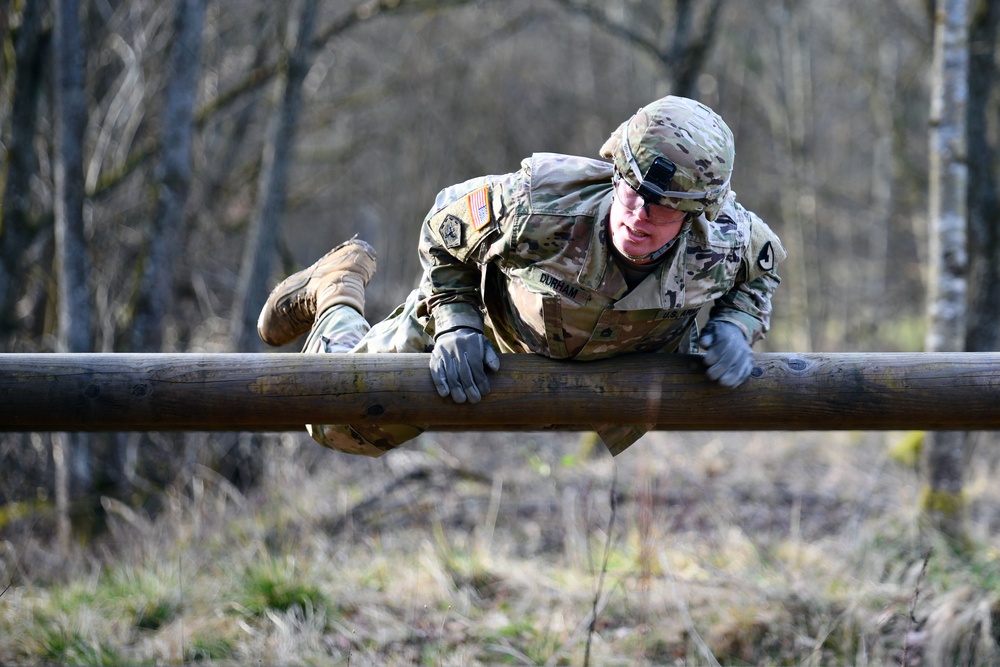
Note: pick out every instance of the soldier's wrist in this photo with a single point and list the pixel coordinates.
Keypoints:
(452, 316)
(744, 327)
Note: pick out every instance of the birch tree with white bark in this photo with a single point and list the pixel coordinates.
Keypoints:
(942, 498)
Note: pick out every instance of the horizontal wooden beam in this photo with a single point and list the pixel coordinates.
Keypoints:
(276, 392)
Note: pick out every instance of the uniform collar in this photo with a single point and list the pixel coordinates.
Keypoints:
(598, 266)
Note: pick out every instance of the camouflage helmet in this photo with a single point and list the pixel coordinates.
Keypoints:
(676, 152)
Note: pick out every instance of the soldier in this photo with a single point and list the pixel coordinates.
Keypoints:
(568, 257)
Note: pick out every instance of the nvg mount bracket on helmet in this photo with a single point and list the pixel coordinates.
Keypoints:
(655, 185)
(656, 182)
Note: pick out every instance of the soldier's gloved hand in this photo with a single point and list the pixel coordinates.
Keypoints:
(727, 353)
(459, 362)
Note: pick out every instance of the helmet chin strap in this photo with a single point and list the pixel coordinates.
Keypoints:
(648, 258)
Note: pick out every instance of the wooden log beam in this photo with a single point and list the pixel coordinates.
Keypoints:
(275, 392)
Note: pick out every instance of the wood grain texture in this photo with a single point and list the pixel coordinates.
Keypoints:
(276, 392)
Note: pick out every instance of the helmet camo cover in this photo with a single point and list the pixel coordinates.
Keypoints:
(688, 134)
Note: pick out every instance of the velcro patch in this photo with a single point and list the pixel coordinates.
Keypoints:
(450, 231)
(479, 208)
(765, 251)
(464, 223)
(765, 259)
(567, 289)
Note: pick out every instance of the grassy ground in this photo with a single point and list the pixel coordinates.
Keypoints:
(512, 548)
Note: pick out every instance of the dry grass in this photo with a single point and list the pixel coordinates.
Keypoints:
(465, 549)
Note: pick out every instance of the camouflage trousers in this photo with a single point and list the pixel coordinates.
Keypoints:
(343, 330)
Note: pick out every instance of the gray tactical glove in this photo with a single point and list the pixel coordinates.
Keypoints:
(459, 362)
(727, 353)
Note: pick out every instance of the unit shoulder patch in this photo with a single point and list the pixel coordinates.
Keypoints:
(462, 225)
(765, 259)
(450, 231)
(765, 251)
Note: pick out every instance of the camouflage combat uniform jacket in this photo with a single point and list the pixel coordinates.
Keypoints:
(531, 250)
(525, 257)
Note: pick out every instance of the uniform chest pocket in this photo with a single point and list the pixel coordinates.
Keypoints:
(537, 317)
(710, 274)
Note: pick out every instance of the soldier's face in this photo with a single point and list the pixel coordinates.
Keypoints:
(638, 228)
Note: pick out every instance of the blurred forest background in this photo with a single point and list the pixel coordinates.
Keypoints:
(212, 147)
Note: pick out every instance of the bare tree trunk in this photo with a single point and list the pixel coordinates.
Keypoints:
(72, 450)
(983, 330)
(942, 498)
(71, 244)
(788, 106)
(255, 269)
(60, 443)
(172, 185)
(682, 57)
(173, 180)
(984, 187)
(690, 46)
(31, 47)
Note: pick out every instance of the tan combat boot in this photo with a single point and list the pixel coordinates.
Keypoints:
(338, 277)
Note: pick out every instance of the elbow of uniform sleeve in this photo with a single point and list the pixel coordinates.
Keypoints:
(457, 315)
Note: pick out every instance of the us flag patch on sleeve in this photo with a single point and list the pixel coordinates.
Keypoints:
(479, 207)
